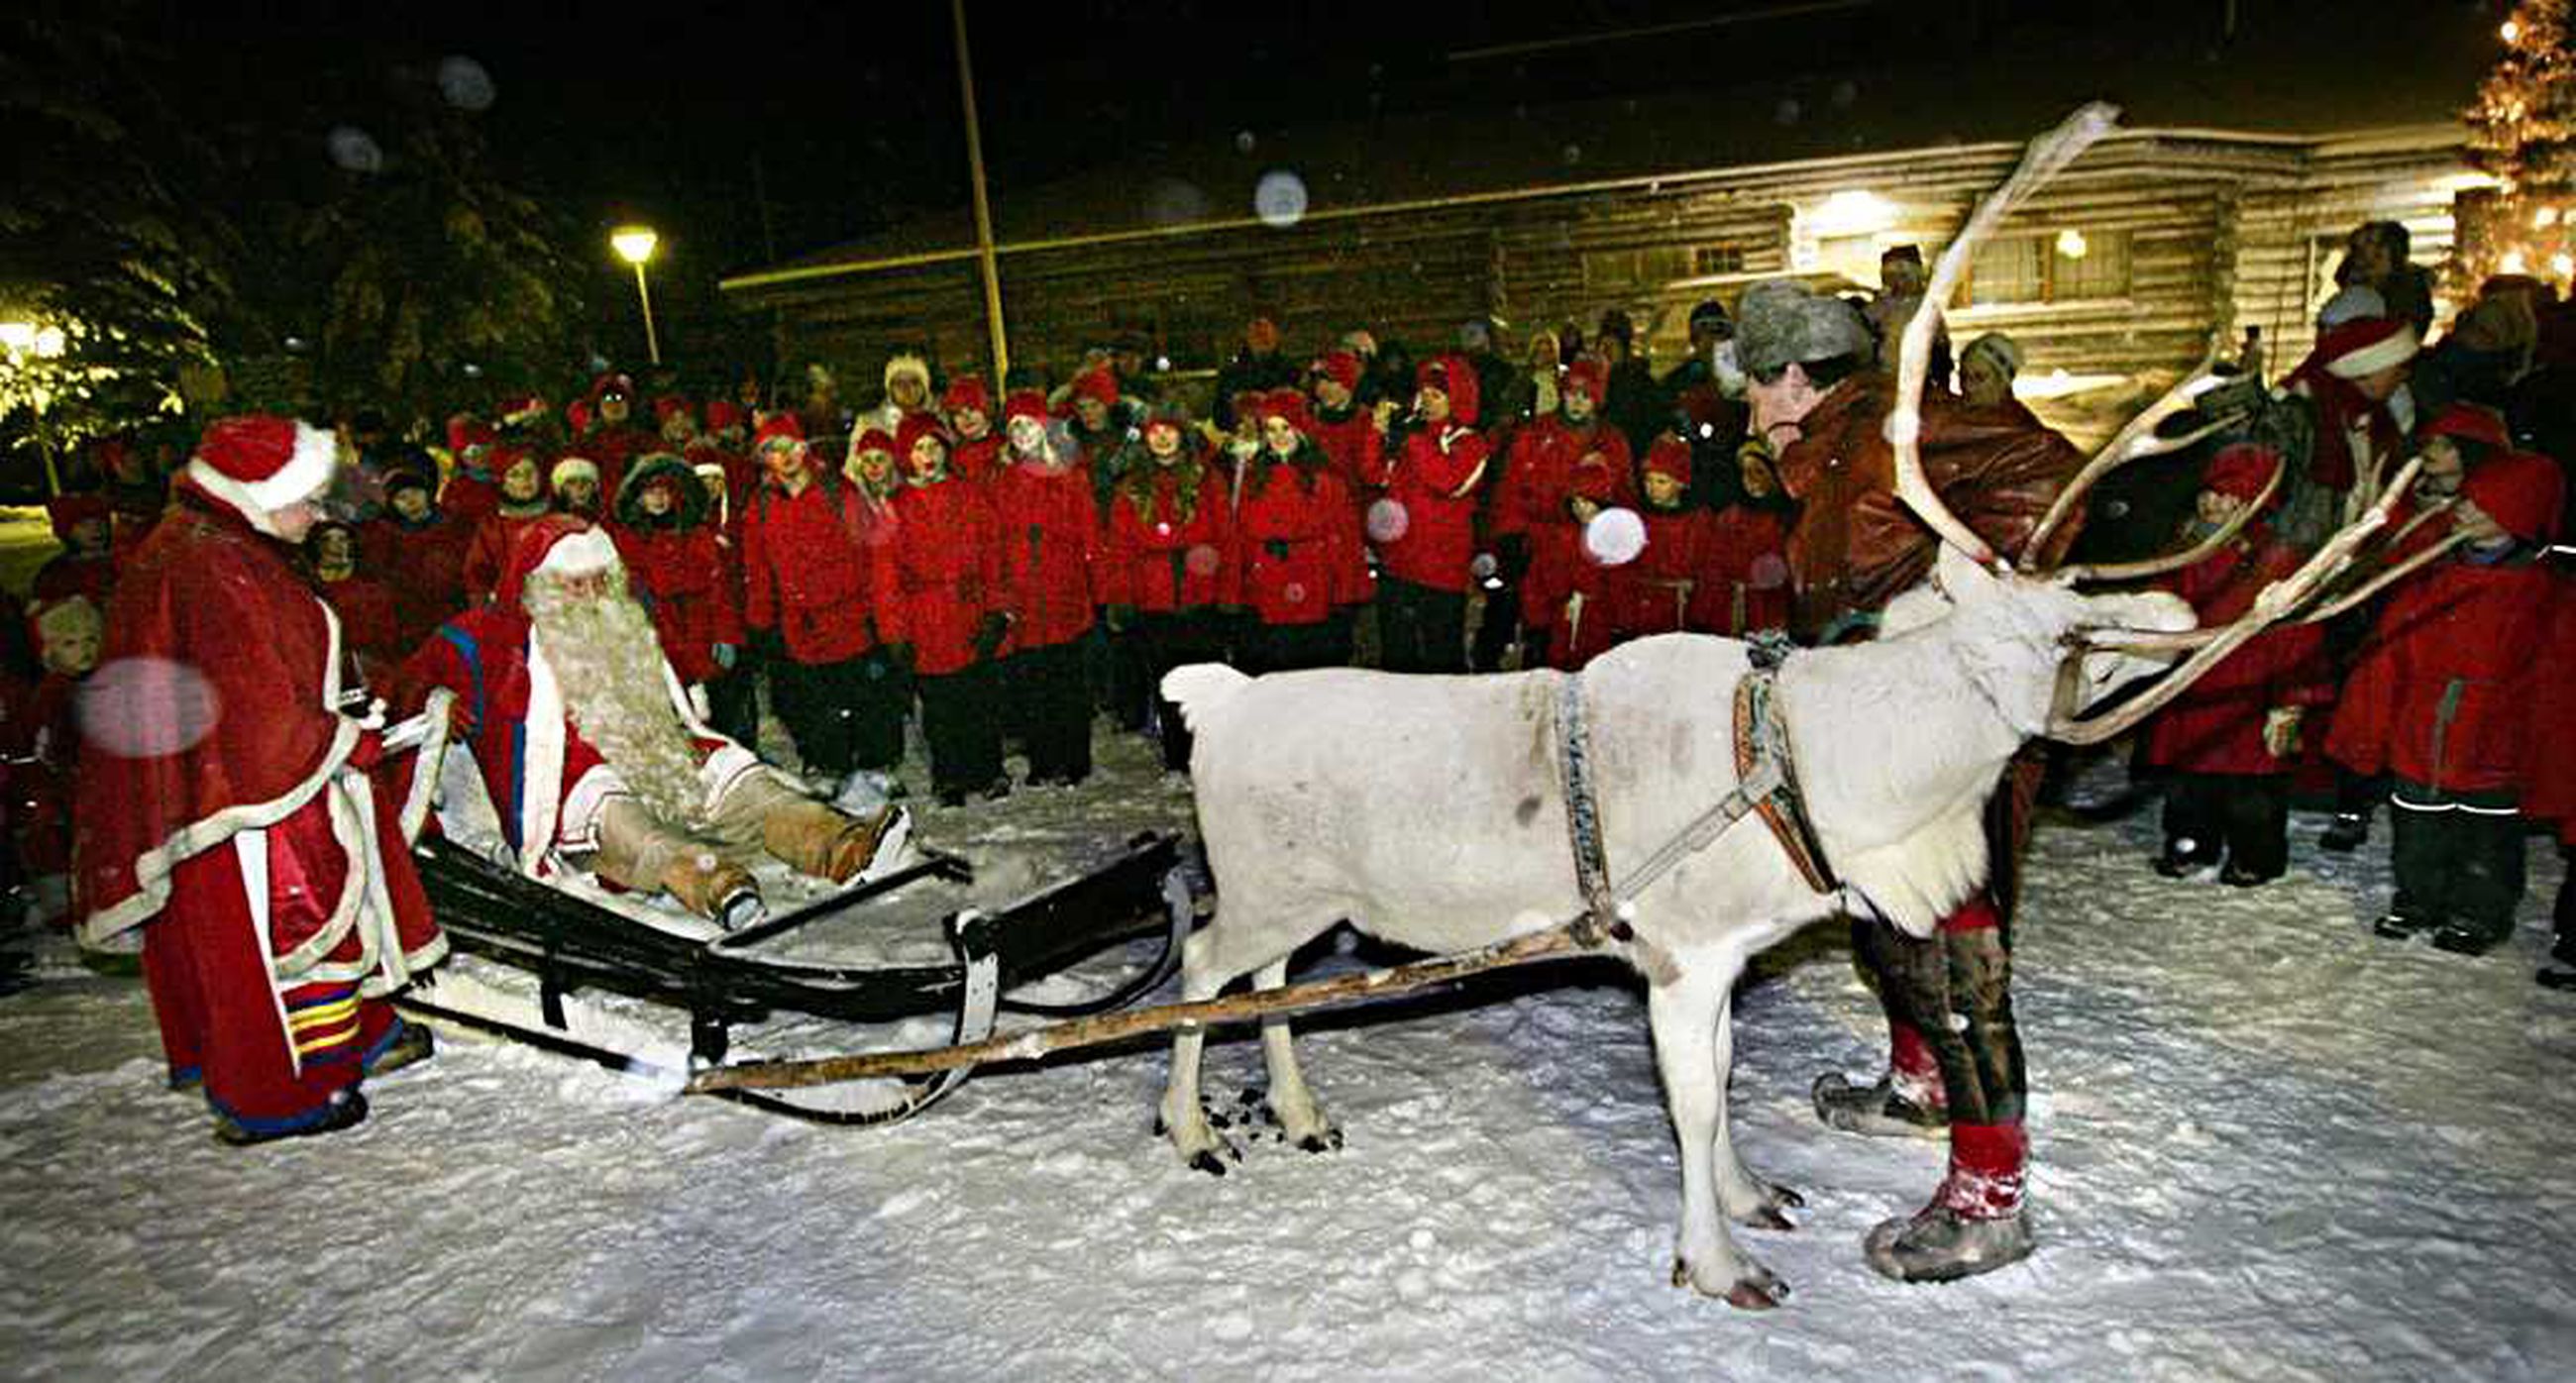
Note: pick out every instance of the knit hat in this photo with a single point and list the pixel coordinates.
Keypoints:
(1998, 350)
(777, 429)
(1024, 403)
(967, 393)
(1585, 377)
(1669, 456)
(2240, 470)
(2520, 490)
(873, 439)
(1341, 367)
(1781, 322)
(2367, 345)
(2469, 422)
(264, 463)
(669, 406)
(1712, 315)
(912, 430)
(572, 468)
(1288, 404)
(1097, 384)
(67, 512)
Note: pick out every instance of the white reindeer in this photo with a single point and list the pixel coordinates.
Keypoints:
(1433, 811)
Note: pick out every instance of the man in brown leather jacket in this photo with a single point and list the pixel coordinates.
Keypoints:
(1955, 1062)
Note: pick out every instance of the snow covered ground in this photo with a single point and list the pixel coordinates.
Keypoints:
(2269, 1146)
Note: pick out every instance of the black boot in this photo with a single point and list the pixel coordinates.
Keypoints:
(2345, 834)
(347, 1109)
(2472, 938)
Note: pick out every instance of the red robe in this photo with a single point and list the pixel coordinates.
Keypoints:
(370, 631)
(947, 573)
(1049, 533)
(2217, 725)
(681, 576)
(424, 567)
(232, 810)
(488, 555)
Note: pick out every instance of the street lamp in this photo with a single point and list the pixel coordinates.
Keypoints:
(45, 341)
(634, 244)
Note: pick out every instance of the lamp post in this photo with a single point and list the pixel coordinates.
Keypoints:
(634, 244)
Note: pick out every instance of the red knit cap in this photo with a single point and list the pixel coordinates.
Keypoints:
(1288, 404)
(1593, 479)
(2240, 471)
(780, 426)
(1024, 403)
(1342, 367)
(2519, 490)
(967, 393)
(874, 439)
(1671, 456)
(913, 429)
(1585, 377)
(1097, 384)
(2469, 422)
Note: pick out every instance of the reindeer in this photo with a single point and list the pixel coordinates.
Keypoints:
(1436, 812)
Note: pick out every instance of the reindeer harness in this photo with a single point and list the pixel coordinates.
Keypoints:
(1766, 786)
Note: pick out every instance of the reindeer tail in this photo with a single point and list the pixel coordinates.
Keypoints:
(1201, 687)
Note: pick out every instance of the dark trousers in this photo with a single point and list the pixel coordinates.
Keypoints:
(1162, 643)
(2240, 817)
(1420, 629)
(1498, 629)
(733, 700)
(1290, 647)
(1047, 704)
(2458, 856)
(818, 703)
(958, 718)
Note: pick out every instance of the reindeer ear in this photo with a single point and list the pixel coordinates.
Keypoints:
(1962, 576)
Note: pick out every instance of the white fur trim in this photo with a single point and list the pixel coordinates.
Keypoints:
(572, 466)
(2377, 356)
(580, 554)
(307, 473)
(907, 364)
(541, 777)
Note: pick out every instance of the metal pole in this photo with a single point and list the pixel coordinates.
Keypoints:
(983, 208)
(652, 343)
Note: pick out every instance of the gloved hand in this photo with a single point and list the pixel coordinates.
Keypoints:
(995, 627)
(724, 654)
(2281, 731)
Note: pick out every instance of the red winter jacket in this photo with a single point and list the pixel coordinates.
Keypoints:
(1532, 504)
(1658, 593)
(488, 555)
(369, 624)
(2217, 725)
(1433, 481)
(1160, 559)
(947, 573)
(808, 573)
(423, 566)
(978, 460)
(1298, 541)
(2443, 692)
(1352, 447)
(681, 576)
(1049, 531)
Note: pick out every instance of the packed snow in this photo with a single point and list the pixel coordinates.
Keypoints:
(2267, 1145)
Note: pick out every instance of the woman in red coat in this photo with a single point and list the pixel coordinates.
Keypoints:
(949, 607)
(821, 599)
(2442, 699)
(1425, 527)
(678, 567)
(1303, 569)
(1168, 567)
(2231, 741)
(1049, 527)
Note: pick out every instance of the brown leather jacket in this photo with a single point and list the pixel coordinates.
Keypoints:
(1855, 545)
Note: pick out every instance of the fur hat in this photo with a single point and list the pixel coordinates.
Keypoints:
(967, 393)
(1781, 322)
(572, 468)
(264, 463)
(1998, 350)
(1670, 456)
(2520, 490)
(2240, 470)
(906, 363)
(2367, 345)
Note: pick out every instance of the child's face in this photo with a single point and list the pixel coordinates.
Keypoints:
(90, 537)
(412, 503)
(72, 653)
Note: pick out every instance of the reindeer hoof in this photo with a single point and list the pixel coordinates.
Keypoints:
(1770, 1211)
(1767, 1217)
(1330, 1140)
(1207, 1161)
(1784, 1198)
(1751, 1295)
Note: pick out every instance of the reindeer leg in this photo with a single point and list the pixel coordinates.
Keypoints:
(1182, 1119)
(1300, 1119)
(1746, 1198)
(1684, 1014)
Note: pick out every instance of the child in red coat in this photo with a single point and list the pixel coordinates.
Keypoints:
(2230, 742)
(820, 596)
(1168, 567)
(1049, 535)
(677, 564)
(1425, 527)
(1298, 538)
(950, 608)
(40, 738)
(2442, 699)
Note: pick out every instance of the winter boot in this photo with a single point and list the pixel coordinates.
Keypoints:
(2345, 834)
(713, 887)
(2399, 926)
(1904, 1103)
(410, 1047)
(2465, 938)
(1975, 1222)
(347, 1109)
(811, 838)
(2184, 856)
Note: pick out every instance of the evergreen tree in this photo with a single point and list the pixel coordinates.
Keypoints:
(2522, 132)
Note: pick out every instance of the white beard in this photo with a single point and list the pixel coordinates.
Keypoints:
(608, 659)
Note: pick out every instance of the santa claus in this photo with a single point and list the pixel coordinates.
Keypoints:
(227, 810)
(595, 759)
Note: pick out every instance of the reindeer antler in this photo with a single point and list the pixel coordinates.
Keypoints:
(2176, 561)
(2046, 157)
(2134, 441)
(2273, 603)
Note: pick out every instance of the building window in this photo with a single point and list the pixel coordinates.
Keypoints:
(1652, 266)
(1717, 259)
(2062, 266)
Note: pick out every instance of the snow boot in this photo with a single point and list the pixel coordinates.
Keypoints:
(713, 887)
(2399, 926)
(347, 1109)
(1903, 1103)
(2471, 938)
(2345, 834)
(410, 1047)
(812, 838)
(1975, 1222)
(2184, 857)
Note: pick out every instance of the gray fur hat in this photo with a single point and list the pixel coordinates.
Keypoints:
(1780, 322)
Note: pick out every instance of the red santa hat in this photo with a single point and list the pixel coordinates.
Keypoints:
(2468, 422)
(67, 512)
(1670, 456)
(722, 414)
(967, 393)
(1097, 384)
(2365, 346)
(912, 430)
(1341, 367)
(2240, 470)
(258, 463)
(467, 433)
(2520, 490)
(564, 544)
(778, 429)
(1585, 377)
(1024, 403)
(1288, 404)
